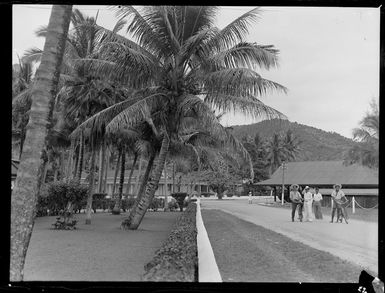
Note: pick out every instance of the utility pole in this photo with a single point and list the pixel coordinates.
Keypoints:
(283, 180)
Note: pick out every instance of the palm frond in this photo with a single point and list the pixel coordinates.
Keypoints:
(245, 54)
(135, 113)
(141, 30)
(238, 82)
(32, 55)
(247, 105)
(234, 32)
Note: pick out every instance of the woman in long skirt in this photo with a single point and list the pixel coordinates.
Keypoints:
(308, 200)
(317, 198)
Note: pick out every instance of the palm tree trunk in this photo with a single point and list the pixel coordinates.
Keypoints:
(69, 162)
(130, 175)
(62, 165)
(138, 176)
(91, 186)
(77, 156)
(151, 186)
(100, 173)
(116, 172)
(106, 171)
(126, 222)
(165, 183)
(81, 158)
(173, 177)
(116, 209)
(24, 195)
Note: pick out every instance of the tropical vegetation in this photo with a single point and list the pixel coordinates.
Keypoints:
(157, 94)
(366, 151)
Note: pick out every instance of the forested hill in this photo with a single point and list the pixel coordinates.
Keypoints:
(317, 144)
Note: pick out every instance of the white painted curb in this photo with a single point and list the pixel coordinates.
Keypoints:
(207, 266)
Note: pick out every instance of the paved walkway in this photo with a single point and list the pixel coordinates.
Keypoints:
(356, 242)
(96, 252)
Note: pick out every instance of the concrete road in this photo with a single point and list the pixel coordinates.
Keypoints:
(356, 242)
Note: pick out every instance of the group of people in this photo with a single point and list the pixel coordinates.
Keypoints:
(312, 201)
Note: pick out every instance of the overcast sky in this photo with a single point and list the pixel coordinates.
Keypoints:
(329, 58)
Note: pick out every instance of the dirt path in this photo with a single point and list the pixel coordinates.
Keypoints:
(355, 242)
(96, 252)
(250, 253)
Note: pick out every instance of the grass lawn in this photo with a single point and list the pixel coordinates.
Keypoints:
(246, 252)
(97, 252)
(363, 215)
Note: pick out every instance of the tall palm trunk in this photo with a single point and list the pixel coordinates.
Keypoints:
(126, 222)
(62, 165)
(138, 176)
(81, 158)
(24, 195)
(76, 165)
(91, 186)
(151, 186)
(101, 166)
(69, 162)
(116, 172)
(130, 175)
(116, 209)
(106, 171)
(165, 183)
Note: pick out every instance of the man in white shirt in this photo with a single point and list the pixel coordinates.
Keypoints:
(337, 196)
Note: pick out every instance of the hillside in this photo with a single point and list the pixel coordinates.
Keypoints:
(316, 144)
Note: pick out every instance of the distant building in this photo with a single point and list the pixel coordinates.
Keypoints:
(358, 181)
(186, 183)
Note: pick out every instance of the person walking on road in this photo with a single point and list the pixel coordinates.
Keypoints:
(337, 197)
(317, 198)
(308, 202)
(296, 201)
(250, 197)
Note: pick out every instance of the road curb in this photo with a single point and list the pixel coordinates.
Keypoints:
(207, 266)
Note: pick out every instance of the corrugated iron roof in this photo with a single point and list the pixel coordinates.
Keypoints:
(323, 173)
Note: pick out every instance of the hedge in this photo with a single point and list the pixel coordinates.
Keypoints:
(177, 259)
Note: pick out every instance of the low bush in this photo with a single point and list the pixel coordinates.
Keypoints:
(54, 197)
(177, 259)
(61, 198)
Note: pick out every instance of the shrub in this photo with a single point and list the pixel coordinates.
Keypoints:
(156, 203)
(177, 259)
(207, 194)
(180, 197)
(56, 195)
(60, 198)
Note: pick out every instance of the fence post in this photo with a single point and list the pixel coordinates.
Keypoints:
(353, 205)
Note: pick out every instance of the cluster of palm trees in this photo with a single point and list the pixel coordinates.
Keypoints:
(366, 152)
(157, 94)
(268, 154)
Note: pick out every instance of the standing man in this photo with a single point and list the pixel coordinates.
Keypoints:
(250, 197)
(296, 200)
(337, 196)
(308, 202)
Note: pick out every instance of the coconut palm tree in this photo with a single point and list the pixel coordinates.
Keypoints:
(24, 193)
(366, 152)
(181, 67)
(276, 152)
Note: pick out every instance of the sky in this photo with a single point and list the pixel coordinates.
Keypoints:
(329, 58)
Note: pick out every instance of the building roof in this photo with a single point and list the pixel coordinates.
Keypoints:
(14, 167)
(324, 173)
